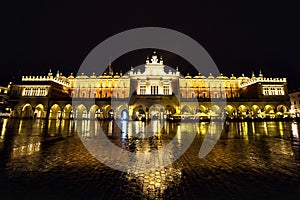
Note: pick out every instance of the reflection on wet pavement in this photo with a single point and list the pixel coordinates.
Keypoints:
(42, 159)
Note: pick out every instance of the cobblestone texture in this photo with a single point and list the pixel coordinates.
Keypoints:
(260, 162)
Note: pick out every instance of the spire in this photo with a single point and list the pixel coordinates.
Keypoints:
(253, 75)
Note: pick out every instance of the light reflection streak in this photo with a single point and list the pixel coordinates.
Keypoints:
(245, 130)
(295, 132)
(20, 126)
(124, 125)
(158, 181)
(280, 128)
(110, 128)
(265, 128)
(179, 134)
(3, 129)
(26, 150)
(203, 128)
(253, 128)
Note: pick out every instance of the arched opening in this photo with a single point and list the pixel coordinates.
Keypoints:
(39, 111)
(203, 109)
(27, 111)
(170, 110)
(282, 111)
(139, 113)
(124, 114)
(269, 110)
(94, 112)
(67, 112)
(255, 110)
(108, 112)
(81, 112)
(55, 112)
(242, 111)
(229, 109)
(156, 111)
(186, 110)
(216, 111)
(118, 112)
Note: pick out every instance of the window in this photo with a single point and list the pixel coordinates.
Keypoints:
(142, 90)
(154, 90)
(72, 94)
(117, 95)
(204, 94)
(95, 94)
(166, 90)
(193, 95)
(83, 94)
(215, 95)
(226, 95)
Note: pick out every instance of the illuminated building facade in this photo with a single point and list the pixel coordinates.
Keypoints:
(150, 91)
(295, 103)
(4, 97)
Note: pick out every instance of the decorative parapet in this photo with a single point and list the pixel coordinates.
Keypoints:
(263, 80)
(57, 79)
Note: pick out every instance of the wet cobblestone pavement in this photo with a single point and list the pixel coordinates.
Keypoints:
(258, 160)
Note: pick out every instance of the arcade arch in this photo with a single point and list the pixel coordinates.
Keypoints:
(39, 111)
(55, 112)
(27, 111)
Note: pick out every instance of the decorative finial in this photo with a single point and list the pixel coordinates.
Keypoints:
(260, 73)
(161, 60)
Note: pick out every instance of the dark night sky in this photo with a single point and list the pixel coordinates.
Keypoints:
(240, 37)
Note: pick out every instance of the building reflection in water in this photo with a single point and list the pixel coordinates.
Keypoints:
(154, 184)
(295, 131)
(27, 138)
(3, 129)
(26, 150)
